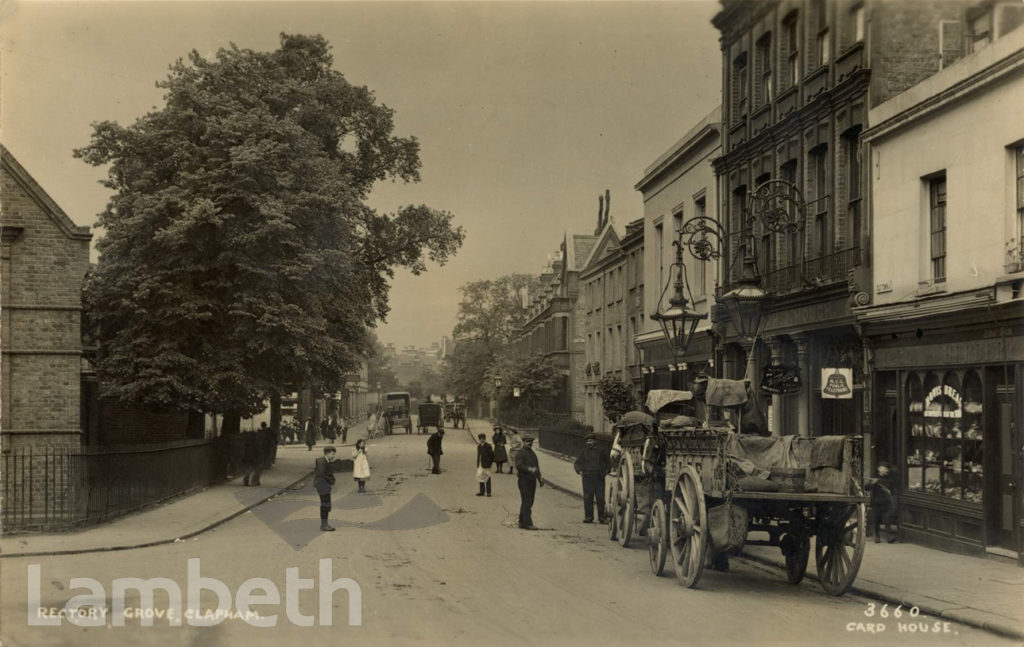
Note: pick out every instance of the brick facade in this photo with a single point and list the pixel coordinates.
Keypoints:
(45, 257)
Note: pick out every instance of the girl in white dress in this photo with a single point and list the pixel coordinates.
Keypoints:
(360, 464)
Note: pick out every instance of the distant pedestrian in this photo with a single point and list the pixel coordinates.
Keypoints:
(360, 464)
(325, 429)
(323, 482)
(434, 450)
(269, 445)
(332, 430)
(252, 457)
(529, 478)
(592, 464)
(288, 433)
(500, 453)
(515, 443)
(343, 423)
(484, 464)
(309, 433)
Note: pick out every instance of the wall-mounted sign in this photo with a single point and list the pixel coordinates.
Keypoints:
(883, 287)
(837, 383)
(780, 379)
(515, 392)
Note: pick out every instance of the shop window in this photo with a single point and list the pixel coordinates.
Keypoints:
(946, 435)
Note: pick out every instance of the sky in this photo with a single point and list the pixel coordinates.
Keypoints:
(525, 111)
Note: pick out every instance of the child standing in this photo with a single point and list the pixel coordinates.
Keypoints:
(360, 464)
(323, 482)
(883, 502)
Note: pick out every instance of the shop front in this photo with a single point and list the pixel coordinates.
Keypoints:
(944, 416)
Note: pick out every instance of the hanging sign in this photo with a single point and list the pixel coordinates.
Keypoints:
(836, 383)
(780, 379)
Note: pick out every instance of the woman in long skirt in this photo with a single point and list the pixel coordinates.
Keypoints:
(500, 453)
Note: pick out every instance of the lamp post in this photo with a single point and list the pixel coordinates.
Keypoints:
(497, 400)
(679, 321)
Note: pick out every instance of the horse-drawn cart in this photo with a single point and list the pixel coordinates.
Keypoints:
(696, 489)
(430, 415)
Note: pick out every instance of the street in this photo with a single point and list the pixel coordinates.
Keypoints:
(435, 563)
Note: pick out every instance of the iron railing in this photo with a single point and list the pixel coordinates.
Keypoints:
(53, 488)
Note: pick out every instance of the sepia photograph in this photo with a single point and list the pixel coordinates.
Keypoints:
(500, 322)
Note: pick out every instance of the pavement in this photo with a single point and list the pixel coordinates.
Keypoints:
(983, 593)
(986, 593)
(184, 516)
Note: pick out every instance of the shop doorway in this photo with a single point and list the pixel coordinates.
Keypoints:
(1001, 513)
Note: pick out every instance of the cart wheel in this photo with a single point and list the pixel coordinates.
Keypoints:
(688, 522)
(625, 506)
(796, 548)
(611, 498)
(657, 535)
(839, 546)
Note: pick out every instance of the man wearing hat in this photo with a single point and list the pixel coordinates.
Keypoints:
(592, 465)
(528, 470)
(435, 451)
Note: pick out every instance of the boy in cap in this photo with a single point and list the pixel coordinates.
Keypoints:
(484, 461)
(592, 464)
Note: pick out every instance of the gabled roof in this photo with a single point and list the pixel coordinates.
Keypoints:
(607, 242)
(45, 202)
(579, 250)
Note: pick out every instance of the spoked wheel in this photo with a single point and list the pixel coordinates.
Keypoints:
(688, 520)
(611, 498)
(839, 546)
(657, 535)
(625, 506)
(796, 548)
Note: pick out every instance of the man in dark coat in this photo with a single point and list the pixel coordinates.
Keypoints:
(434, 450)
(252, 457)
(528, 470)
(484, 460)
(592, 465)
(323, 481)
(309, 431)
(269, 445)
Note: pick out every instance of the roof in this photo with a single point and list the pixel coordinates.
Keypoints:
(41, 197)
(709, 126)
(580, 249)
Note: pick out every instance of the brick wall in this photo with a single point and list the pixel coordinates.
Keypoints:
(905, 43)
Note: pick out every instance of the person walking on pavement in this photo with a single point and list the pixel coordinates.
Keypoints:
(343, 423)
(500, 453)
(529, 478)
(325, 429)
(883, 503)
(309, 430)
(515, 443)
(323, 482)
(360, 464)
(269, 445)
(592, 464)
(252, 457)
(434, 450)
(484, 463)
(332, 430)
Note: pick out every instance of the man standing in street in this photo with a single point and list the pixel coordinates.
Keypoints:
(592, 465)
(484, 461)
(528, 470)
(252, 457)
(434, 449)
(309, 431)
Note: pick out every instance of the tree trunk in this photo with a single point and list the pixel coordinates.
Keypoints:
(232, 423)
(196, 424)
(275, 411)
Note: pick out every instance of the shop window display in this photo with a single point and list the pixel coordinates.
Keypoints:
(945, 434)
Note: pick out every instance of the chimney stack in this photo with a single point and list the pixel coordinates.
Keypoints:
(607, 206)
(600, 215)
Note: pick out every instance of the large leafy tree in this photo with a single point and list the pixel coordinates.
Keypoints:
(240, 256)
(491, 310)
(533, 375)
(378, 367)
(464, 370)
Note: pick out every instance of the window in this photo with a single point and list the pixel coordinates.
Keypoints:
(851, 141)
(618, 345)
(659, 246)
(766, 253)
(937, 219)
(857, 23)
(764, 70)
(699, 285)
(980, 30)
(791, 30)
(951, 42)
(631, 349)
(739, 88)
(824, 41)
(1019, 156)
(819, 199)
(737, 228)
(788, 173)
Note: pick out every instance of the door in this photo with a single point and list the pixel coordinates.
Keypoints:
(1002, 453)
